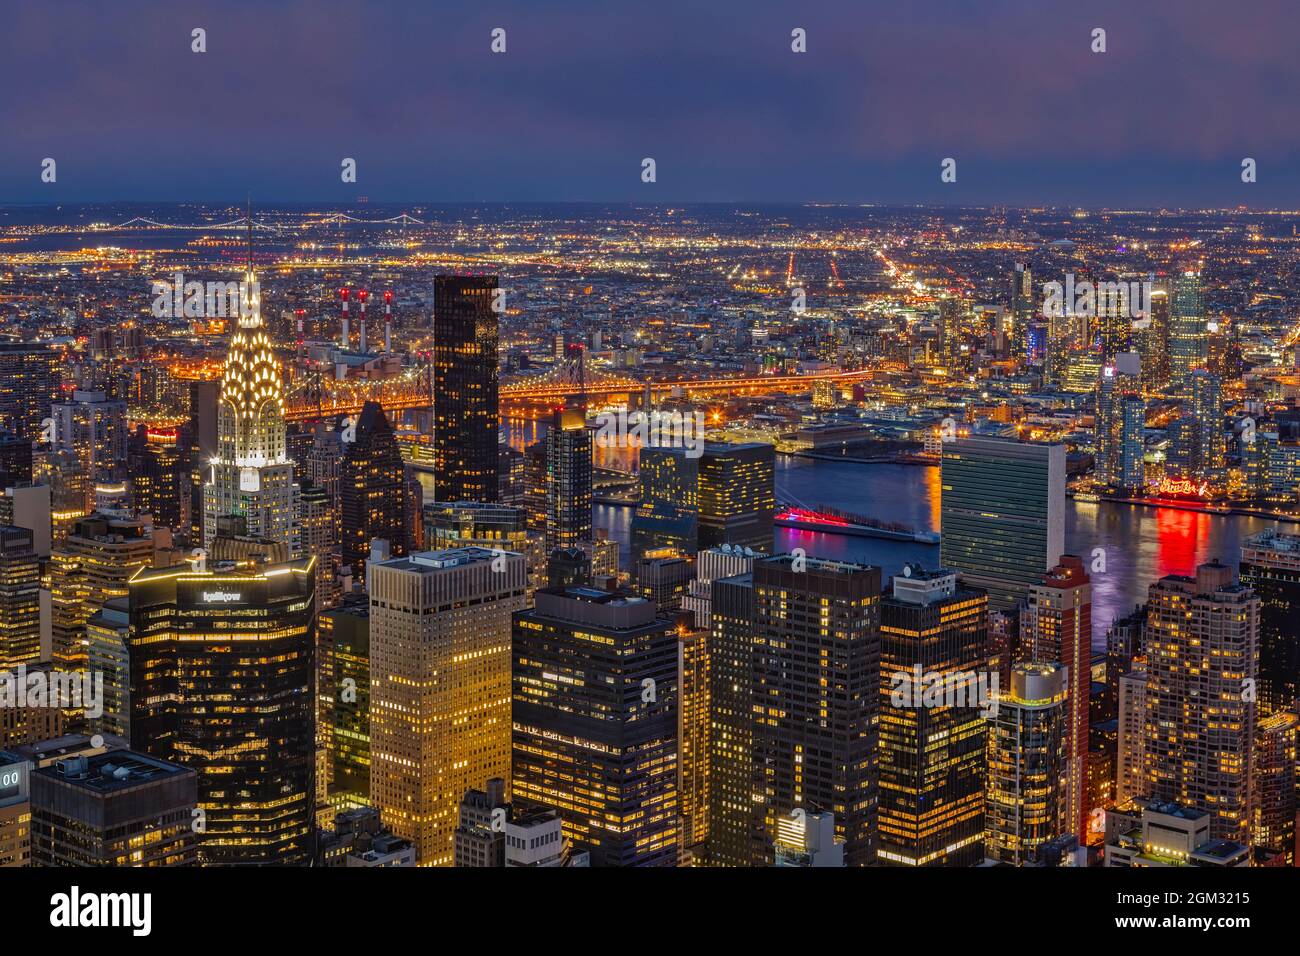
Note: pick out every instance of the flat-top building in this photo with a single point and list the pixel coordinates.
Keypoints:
(595, 723)
(221, 663)
(816, 695)
(931, 757)
(439, 686)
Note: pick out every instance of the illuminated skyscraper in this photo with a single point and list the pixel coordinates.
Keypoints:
(816, 695)
(201, 449)
(1270, 566)
(29, 385)
(595, 723)
(1203, 645)
(92, 428)
(439, 686)
(736, 820)
(725, 496)
(90, 567)
(1130, 757)
(372, 491)
(465, 331)
(251, 474)
(1026, 805)
(931, 757)
(1274, 783)
(343, 690)
(1153, 338)
(1188, 335)
(1002, 514)
(1056, 627)
(694, 718)
(20, 599)
(158, 482)
(1023, 300)
(568, 479)
(221, 681)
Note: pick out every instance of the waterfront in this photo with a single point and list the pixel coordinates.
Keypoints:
(1141, 544)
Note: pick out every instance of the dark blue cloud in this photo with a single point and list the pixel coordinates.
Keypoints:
(410, 89)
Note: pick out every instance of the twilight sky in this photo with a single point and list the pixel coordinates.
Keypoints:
(709, 88)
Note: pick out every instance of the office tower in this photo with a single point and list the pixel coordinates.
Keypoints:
(568, 479)
(20, 599)
(1022, 308)
(736, 495)
(1026, 806)
(950, 331)
(343, 688)
(595, 723)
(15, 811)
(316, 538)
(664, 580)
(251, 474)
(15, 459)
(93, 565)
(1003, 514)
(477, 524)
(816, 687)
(1057, 628)
(28, 506)
(807, 839)
(725, 496)
(71, 491)
(29, 384)
(510, 476)
(359, 838)
(535, 838)
(1209, 445)
(735, 822)
(1274, 803)
(1131, 474)
(1270, 566)
(1120, 422)
(710, 565)
(1188, 335)
(221, 660)
(694, 717)
(536, 483)
(465, 388)
(27, 721)
(667, 519)
(1130, 762)
(1153, 338)
(156, 475)
(931, 758)
(92, 428)
(118, 808)
(1148, 833)
(108, 633)
(1202, 647)
(372, 490)
(201, 438)
(480, 838)
(439, 686)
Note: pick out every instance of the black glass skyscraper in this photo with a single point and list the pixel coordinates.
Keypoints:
(465, 331)
(372, 490)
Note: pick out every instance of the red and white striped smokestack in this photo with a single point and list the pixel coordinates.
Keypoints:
(362, 294)
(347, 336)
(388, 321)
